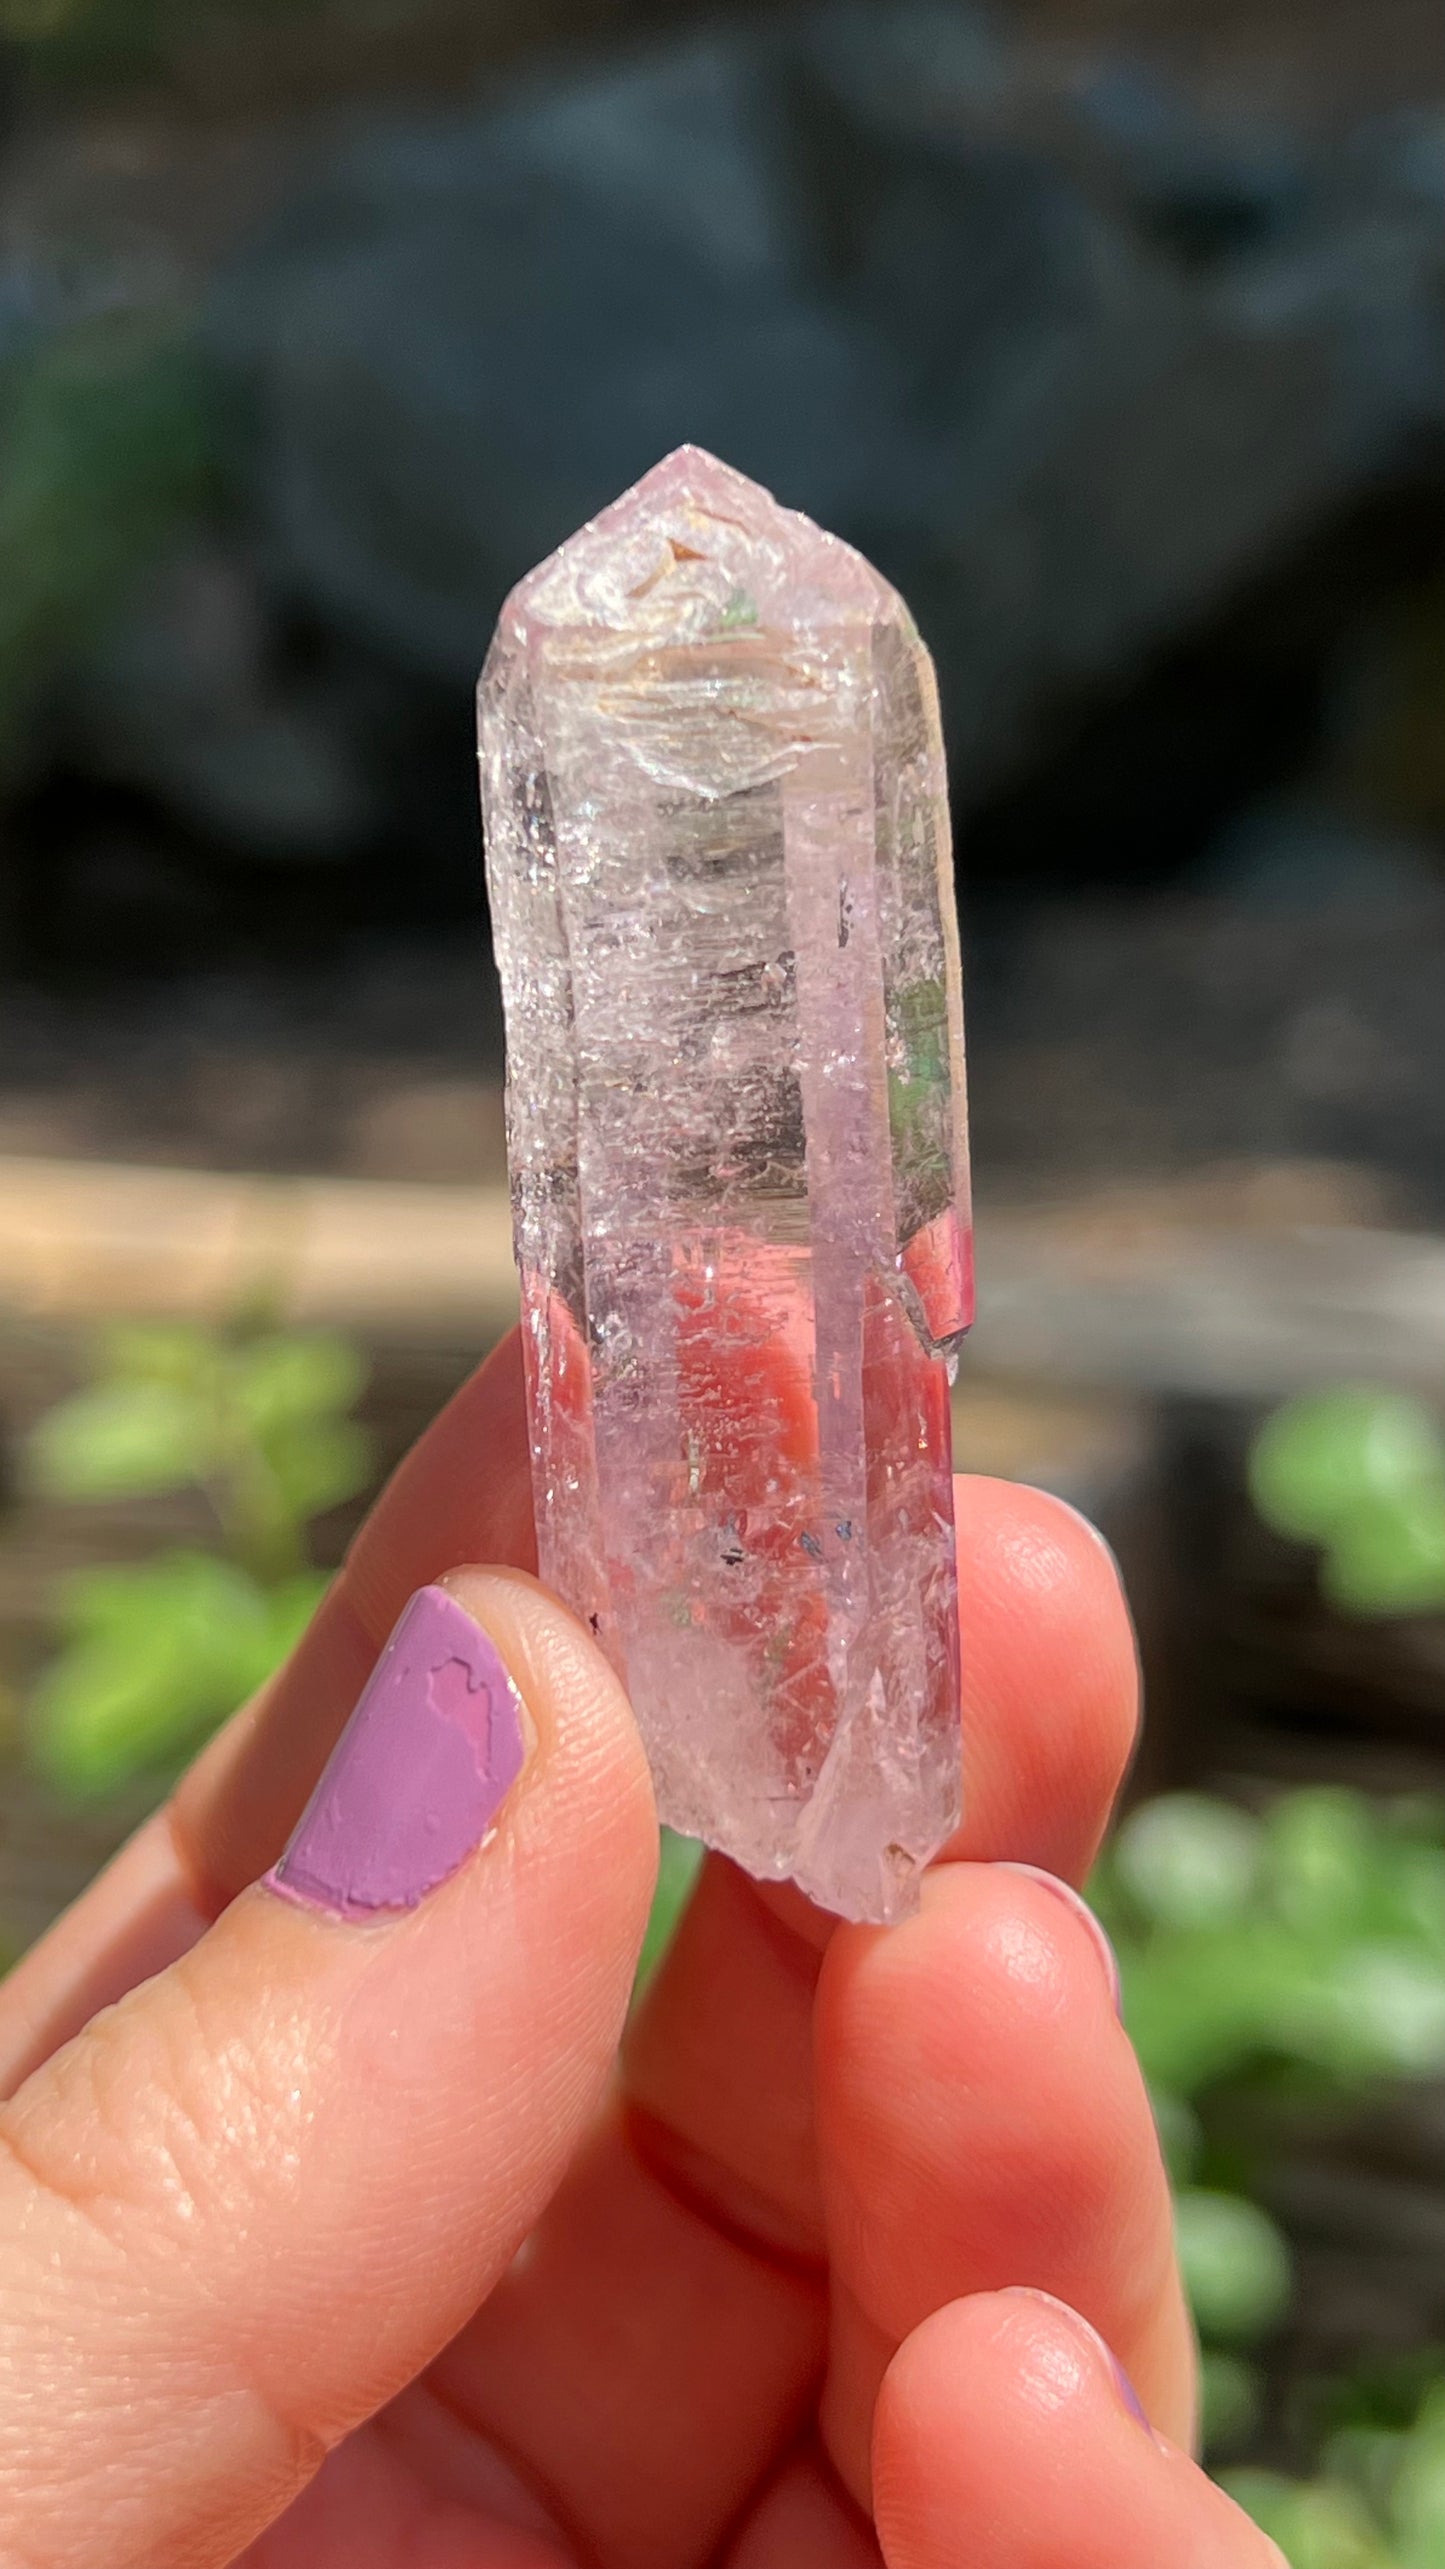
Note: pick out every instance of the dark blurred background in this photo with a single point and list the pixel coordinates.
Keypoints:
(1114, 330)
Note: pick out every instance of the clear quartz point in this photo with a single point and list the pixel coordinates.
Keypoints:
(718, 852)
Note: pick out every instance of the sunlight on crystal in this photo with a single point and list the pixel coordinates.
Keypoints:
(718, 853)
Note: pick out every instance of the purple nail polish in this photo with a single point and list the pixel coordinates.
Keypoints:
(417, 1776)
(1129, 2397)
(1080, 1909)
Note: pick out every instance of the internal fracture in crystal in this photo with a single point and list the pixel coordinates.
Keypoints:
(718, 854)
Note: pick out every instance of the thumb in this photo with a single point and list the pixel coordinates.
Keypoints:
(249, 2203)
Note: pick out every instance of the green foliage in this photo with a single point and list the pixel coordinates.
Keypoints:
(1189, 1862)
(107, 40)
(1312, 1940)
(1318, 2524)
(152, 1659)
(1415, 2495)
(1379, 2504)
(1360, 1472)
(1292, 1956)
(259, 1422)
(1389, 1558)
(1230, 2400)
(107, 443)
(1236, 2266)
(153, 1655)
(679, 1860)
(46, 24)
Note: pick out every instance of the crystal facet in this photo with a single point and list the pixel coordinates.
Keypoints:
(717, 844)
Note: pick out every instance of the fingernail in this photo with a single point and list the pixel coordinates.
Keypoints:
(1079, 1909)
(418, 1775)
(1125, 2392)
(1128, 2397)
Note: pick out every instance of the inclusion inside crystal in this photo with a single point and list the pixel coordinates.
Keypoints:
(719, 863)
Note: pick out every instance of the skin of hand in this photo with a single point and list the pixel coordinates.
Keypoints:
(338, 2238)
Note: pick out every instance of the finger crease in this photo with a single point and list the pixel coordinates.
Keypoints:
(533, 2483)
(702, 2186)
(77, 2205)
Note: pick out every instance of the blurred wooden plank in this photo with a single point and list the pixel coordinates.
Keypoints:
(1214, 1289)
(1233, 1315)
(81, 1241)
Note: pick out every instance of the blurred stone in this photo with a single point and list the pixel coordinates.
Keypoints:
(184, 698)
(1067, 358)
(1282, 855)
(1402, 157)
(1206, 188)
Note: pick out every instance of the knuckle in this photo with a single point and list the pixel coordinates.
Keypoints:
(148, 2126)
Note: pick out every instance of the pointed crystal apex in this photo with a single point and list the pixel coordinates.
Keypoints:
(696, 549)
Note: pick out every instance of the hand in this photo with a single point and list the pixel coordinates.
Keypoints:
(261, 2284)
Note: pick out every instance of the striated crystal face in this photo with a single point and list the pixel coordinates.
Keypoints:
(718, 852)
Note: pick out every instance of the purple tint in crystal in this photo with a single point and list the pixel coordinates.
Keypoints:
(718, 852)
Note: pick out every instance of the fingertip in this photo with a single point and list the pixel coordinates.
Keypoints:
(1023, 2355)
(1004, 2413)
(1007, 2436)
(982, 2120)
(1050, 1678)
(983, 2036)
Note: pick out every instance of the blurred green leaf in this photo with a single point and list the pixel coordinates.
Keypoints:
(679, 1861)
(1317, 2524)
(1384, 2015)
(1180, 2137)
(283, 1380)
(1367, 2458)
(146, 1351)
(1415, 1891)
(122, 1440)
(1198, 2006)
(1268, 1963)
(1417, 2502)
(1387, 1557)
(1323, 1855)
(159, 1654)
(316, 1463)
(1236, 2266)
(1230, 2399)
(155, 1655)
(1327, 1454)
(1187, 1861)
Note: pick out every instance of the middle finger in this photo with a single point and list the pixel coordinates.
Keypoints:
(985, 2125)
(681, 2264)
